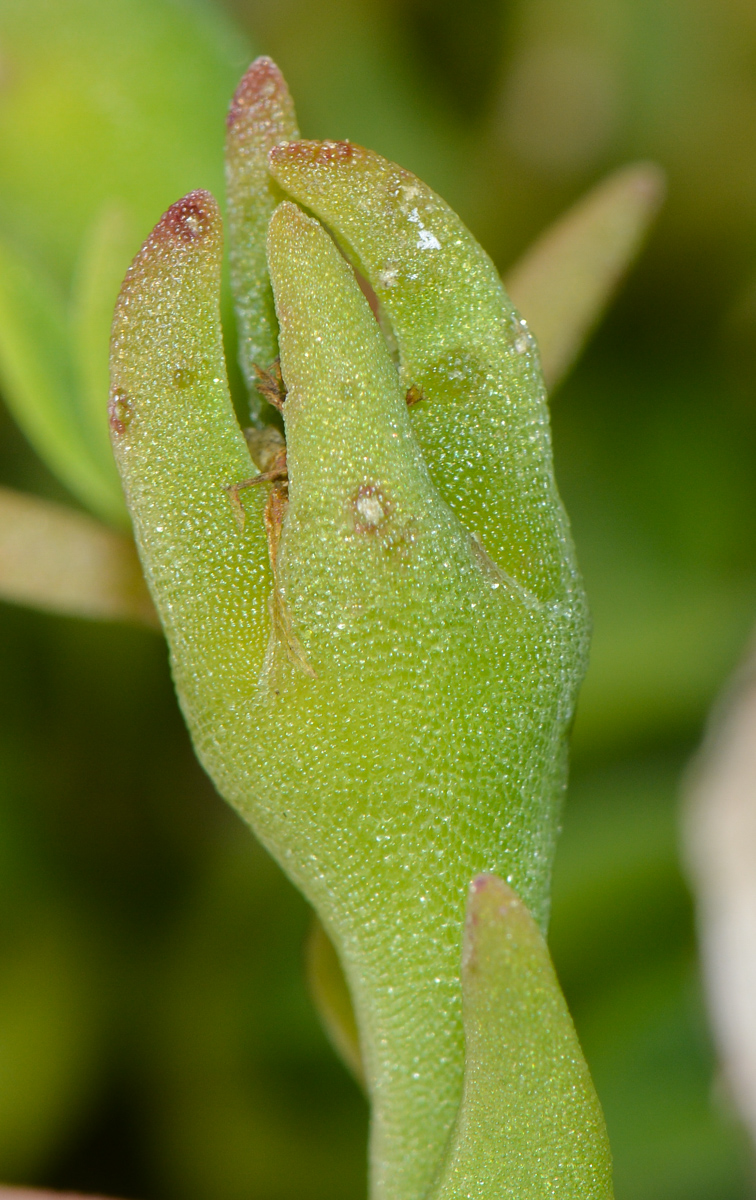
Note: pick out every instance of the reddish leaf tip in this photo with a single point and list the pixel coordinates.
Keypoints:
(190, 219)
(260, 87)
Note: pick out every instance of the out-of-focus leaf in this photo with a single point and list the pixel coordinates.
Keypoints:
(40, 385)
(122, 102)
(621, 936)
(530, 1123)
(720, 829)
(332, 999)
(108, 112)
(97, 281)
(566, 279)
(61, 560)
(49, 1018)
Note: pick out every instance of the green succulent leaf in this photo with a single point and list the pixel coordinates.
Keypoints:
(482, 423)
(529, 1124)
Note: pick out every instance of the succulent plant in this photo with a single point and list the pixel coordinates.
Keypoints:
(377, 643)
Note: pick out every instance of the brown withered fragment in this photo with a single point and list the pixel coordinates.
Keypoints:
(414, 395)
(276, 473)
(270, 384)
(275, 511)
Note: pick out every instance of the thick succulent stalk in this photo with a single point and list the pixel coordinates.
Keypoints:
(379, 661)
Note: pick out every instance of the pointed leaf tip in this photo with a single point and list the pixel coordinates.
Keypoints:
(192, 220)
(261, 97)
(149, 341)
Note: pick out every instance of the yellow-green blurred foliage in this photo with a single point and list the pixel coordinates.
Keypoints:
(155, 1036)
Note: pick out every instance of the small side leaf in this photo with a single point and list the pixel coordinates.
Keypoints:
(63, 561)
(39, 384)
(565, 280)
(529, 1124)
(332, 999)
(261, 116)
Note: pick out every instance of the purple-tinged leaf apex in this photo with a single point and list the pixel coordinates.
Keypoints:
(261, 99)
(192, 220)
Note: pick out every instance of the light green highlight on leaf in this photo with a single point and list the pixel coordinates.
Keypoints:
(107, 113)
(530, 1124)
(119, 103)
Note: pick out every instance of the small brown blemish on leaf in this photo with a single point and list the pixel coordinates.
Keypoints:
(316, 153)
(120, 411)
(414, 395)
(336, 152)
(374, 515)
(371, 509)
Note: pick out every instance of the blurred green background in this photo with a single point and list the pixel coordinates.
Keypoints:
(156, 1038)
